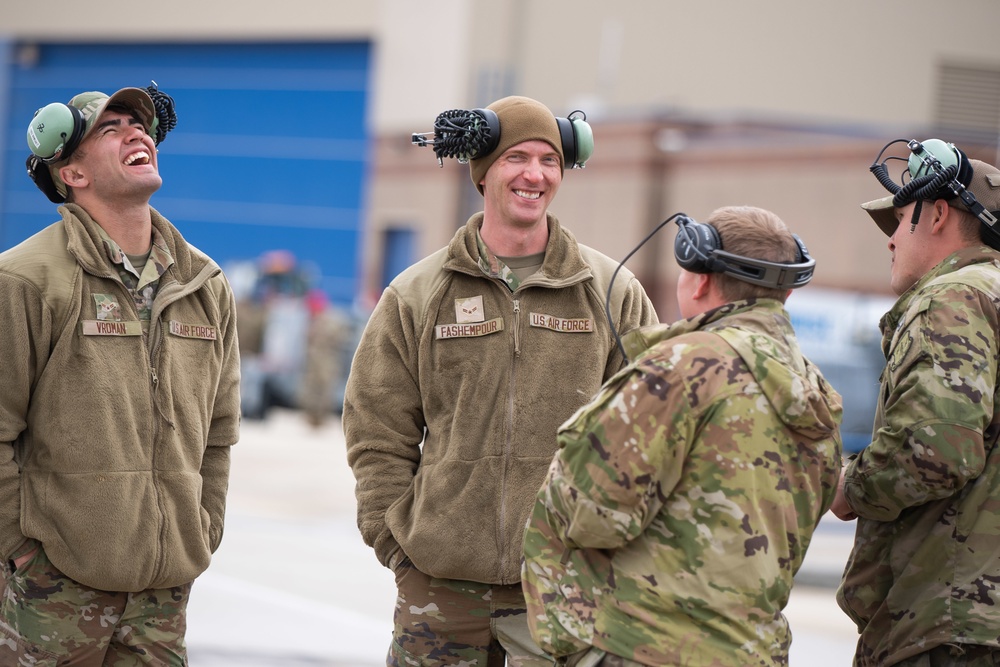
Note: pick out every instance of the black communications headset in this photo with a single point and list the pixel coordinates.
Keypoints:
(698, 248)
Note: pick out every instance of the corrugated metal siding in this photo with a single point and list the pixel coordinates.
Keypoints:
(968, 103)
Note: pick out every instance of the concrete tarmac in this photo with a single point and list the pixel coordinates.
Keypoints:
(293, 585)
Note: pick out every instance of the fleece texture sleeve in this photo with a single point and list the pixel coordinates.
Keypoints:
(225, 422)
(383, 419)
(24, 348)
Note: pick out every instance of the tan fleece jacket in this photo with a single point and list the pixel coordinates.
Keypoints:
(456, 392)
(114, 453)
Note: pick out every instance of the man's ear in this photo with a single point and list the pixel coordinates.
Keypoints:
(72, 176)
(702, 285)
(940, 211)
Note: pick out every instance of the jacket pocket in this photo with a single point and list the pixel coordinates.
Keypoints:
(99, 528)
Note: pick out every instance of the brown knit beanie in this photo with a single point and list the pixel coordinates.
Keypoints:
(521, 119)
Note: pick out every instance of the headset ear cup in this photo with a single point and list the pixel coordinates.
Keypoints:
(803, 251)
(492, 123)
(568, 141)
(577, 141)
(694, 246)
(79, 129)
(584, 141)
(964, 175)
(55, 132)
(42, 177)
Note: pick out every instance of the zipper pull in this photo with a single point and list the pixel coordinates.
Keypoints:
(517, 326)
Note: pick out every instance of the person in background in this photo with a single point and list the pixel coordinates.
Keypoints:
(119, 402)
(683, 497)
(470, 361)
(921, 581)
(326, 338)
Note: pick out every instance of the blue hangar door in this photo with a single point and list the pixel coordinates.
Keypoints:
(270, 149)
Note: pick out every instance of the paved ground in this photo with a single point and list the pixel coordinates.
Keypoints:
(294, 586)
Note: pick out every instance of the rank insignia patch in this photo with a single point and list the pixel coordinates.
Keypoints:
(469, 309)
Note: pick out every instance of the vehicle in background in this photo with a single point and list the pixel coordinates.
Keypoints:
(839, 332)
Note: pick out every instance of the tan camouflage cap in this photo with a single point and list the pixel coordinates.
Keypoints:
(92, 104)
(985, 186)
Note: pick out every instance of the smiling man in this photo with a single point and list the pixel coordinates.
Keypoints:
(471, 360)
(119, 401)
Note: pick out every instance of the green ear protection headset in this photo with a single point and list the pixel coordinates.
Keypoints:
(56, 130)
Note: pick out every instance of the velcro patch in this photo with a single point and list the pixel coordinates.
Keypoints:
(469, 309)
(200, 331)
(561, 324)
(107, 307)
(468, 330)
(109, 328)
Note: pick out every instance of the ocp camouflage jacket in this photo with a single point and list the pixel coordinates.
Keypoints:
(926, 561)
(456, 391)
(684, 496)
(114, 451)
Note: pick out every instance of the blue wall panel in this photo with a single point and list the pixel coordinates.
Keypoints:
(270, 150)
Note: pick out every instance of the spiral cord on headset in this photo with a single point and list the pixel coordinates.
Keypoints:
(881, 173)
(925, 187)
(165, 113)
(461, 134)
(929, 186)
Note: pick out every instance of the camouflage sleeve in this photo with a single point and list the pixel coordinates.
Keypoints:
(937, 401)
(613, 472)
(383, 419)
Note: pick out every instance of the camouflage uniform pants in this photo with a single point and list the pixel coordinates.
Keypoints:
(448, 622)
(49, 620)
(955, 655)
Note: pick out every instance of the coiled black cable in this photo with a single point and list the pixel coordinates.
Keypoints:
(462, 134)
(881, 173)
(165, 113)
(931, 186)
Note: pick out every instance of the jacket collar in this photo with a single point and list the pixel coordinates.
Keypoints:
(563, 262)
(762, 311)
(86, 243)
(953, 262)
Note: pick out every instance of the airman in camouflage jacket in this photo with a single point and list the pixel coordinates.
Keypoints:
(683, 497)
(926, 561)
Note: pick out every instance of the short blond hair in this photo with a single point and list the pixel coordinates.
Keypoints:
(757, 233)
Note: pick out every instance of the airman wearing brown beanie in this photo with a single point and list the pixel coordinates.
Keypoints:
(485, 348)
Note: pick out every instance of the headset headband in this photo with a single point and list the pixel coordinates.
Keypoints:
(698, 248)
